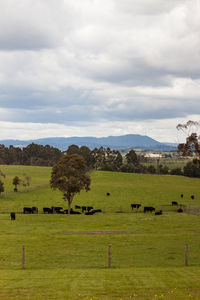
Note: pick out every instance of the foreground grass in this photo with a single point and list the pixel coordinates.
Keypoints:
(129, 283)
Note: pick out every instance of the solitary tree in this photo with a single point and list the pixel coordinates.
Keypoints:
(191, 147)
(16, 182)
(70, 177)
(1, 187)
(192, 144)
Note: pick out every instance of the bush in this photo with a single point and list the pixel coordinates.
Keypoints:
(1, 187)
(131, 168)
(151, 169)
(191, 170)
(164, 169)
(176, 171)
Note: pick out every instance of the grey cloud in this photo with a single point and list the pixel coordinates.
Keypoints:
(105, 68)
(30, 24)
(22, 38)
(150, 7)
(128, 110)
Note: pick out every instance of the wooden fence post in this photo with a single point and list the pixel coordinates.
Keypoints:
(23, 257)
(109, 255)
(186, 255)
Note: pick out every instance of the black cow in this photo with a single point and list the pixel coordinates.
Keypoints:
(181, 195)
(73, 212)
(107, 194)
(35, 210)
(97, 210)
(88, 208)
(12, 216)
(174, 203)
(180, 210)
(77, 206)
(192, 197)
(148, 208)
(157, 213)
(84, 208)
(135, 206)
(28, 210)
(47, 210)
(56, 209)
(89, 213)
(60, 211)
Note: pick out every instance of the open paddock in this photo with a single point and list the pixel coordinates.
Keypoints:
(66, 257)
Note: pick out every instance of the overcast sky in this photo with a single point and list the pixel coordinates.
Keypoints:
(98, 67)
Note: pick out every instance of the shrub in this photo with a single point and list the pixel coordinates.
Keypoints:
(176, 171)
(191, 170)
(151, 169)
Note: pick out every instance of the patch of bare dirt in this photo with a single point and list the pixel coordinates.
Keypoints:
(99, 232)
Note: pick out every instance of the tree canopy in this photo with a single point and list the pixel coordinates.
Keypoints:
(1, 187)
(190, 147)
(69, 175)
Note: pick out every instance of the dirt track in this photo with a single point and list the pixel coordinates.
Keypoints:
(97, 232)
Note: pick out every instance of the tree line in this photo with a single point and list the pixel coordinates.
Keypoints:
(33, 154)
(107, 159)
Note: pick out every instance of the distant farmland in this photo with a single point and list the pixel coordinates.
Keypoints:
(67, 256)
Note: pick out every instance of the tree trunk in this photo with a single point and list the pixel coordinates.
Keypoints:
(69, 207)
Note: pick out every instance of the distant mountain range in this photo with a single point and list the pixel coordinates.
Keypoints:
(129, 141)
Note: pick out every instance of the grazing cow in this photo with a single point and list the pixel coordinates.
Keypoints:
(77, 206)
(180, 210)
(174, 203)
(59, 211)
(28, 210)
(135, 206)
(56, 209)
(148, 208)
(35, 210)
(192, 197)
(89, 213)
(107, 194)
(97, 210)
(157, 213)
(88, 208)
(73, 212)
(12, 216)
(47, 210)
(181, 195)
(83, 208)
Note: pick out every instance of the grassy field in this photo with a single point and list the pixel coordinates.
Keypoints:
(67, 256)
(171, 163)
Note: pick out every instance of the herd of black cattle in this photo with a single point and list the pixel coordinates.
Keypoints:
(89, 210)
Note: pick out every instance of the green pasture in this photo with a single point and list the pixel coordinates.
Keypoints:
(39, 176)
(67, 256)
(171, 163)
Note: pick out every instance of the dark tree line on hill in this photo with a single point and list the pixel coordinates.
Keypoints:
(106, 159)
(33, 154)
